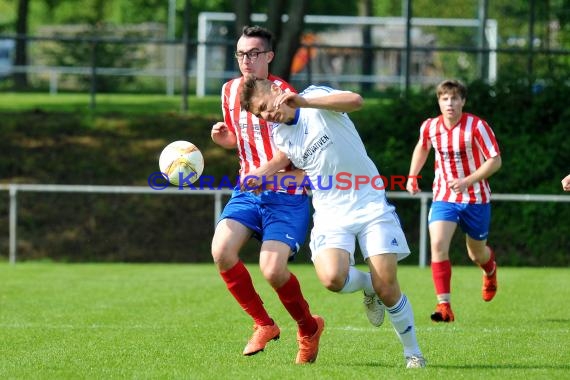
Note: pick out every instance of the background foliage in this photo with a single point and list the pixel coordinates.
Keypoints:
(60, 141)
(67, 145)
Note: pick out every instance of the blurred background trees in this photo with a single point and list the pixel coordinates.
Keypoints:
(526, 106)
(545, 22)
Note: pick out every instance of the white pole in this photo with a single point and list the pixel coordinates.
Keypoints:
(170, 48)
(423, 231)
(201, 56)
(53, 82)
(13, 221)
(492, 37)
(217, 207)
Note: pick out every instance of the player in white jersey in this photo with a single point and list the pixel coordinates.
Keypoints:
(466, 155)
(316, 134)
(278, 218)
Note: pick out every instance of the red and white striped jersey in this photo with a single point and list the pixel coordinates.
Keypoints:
(459, 151)
(254, 142)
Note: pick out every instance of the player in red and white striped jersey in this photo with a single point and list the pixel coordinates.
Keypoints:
(466, 155)
(279, 218)
(459, 152)
(254, 144)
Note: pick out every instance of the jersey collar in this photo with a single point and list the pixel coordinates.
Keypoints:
(296, 118)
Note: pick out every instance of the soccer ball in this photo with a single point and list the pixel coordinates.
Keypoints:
(181, 162)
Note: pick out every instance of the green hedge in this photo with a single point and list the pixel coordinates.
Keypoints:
(122, 149)
(532, 130)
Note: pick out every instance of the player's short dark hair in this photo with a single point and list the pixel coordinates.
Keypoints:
(252, 86)
(259, 32)
(450, 86)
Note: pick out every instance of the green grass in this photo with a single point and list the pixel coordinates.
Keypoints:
(117, 321)
(135, 104)
(129, 104)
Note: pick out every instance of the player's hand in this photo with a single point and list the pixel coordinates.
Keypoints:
(412, 185)
(219, 130)
(458, 185)
(291, 99)
(221, 135)
(254, 183)
(251, 182)
(566, 183)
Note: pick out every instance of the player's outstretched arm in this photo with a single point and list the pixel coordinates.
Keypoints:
(345, 101)
(255, 177)
(291, 177)
(277, 163)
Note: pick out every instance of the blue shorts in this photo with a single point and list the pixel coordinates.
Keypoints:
(474, 219)
(271, 215)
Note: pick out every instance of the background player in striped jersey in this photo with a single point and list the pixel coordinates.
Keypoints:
(279, 218)
(466, 155)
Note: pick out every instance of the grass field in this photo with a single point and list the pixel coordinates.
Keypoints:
(148, 321)
(124, 103)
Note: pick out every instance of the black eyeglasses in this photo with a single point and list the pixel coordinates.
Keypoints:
(251, 55)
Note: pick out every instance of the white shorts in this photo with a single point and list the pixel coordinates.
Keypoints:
(377, 233)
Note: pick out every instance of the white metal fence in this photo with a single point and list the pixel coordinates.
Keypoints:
(213, 26)
(422, 197)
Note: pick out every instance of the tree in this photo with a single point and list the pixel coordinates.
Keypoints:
(368, 54)
(289, 38)
(242, 9)
(287, 34)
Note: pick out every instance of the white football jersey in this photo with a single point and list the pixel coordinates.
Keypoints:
(325, 144)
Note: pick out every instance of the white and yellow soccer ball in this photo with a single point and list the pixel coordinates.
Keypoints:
(181, 162)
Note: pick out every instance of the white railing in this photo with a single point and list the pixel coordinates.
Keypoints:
(13, 190)
(423, 197)
(206, 27)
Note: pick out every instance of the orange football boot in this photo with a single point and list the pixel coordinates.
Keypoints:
(443, 313)
(489, 285)
(309, 345)
(261, 336)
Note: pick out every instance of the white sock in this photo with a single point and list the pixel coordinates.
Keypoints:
(402, 318)
(444, 298)
(357, 280)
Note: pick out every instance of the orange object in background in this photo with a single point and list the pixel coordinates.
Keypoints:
(304, 54)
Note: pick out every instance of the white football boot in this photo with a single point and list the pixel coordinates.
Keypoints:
(415, 361)
(374, 309)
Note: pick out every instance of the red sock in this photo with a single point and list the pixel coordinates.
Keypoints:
(240, 285)
(292, 298)
(490, 265)
(441, 275)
